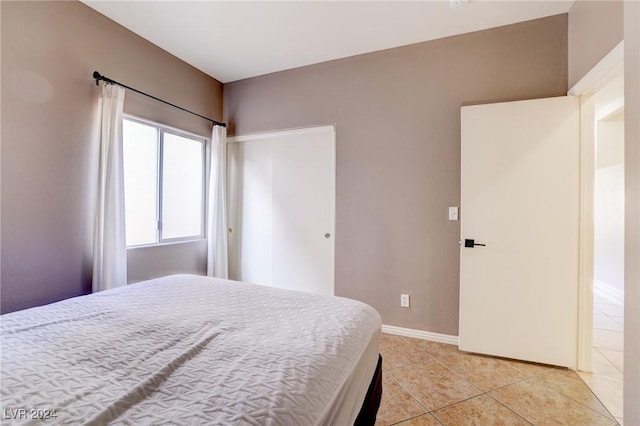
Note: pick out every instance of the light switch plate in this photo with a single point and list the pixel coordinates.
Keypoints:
(453, 213)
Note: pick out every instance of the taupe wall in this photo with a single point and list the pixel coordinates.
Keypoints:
(49, 137)
(632, 213)
(595, 27)
(397, 114)
(144, 263)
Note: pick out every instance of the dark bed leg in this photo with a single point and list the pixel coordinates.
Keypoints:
(371, 404)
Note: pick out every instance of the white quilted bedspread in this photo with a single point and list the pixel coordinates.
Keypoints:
(184, 349)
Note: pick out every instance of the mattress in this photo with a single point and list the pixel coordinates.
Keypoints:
(187, 349)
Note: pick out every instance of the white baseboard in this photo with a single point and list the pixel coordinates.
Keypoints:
(419, 334)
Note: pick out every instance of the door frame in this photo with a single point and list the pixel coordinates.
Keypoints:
(605, 71)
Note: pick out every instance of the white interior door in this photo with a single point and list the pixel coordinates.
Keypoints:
(520, 197)
(282, 208)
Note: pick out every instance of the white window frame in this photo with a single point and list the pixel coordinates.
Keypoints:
(161, 130)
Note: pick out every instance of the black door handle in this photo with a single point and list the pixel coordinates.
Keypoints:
(472, 243)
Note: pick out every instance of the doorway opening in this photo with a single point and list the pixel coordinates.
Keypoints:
(608, 273)
(601, 350)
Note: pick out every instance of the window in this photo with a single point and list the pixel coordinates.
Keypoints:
(163, 184)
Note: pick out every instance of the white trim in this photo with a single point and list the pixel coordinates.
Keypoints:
(585, 248)
(161, 130)
(599, 75)
(173, 130)
(280, 133)
(334, 175)
(610, 109)
(419, 334)
(607, 70)
(165, 243)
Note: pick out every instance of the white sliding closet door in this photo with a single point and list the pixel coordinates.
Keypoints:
(281, 209)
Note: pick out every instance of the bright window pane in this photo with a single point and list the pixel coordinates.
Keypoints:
(140, 182)
(182, 187)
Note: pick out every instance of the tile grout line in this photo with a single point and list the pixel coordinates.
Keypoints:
(580, 403)
(535, 376)
(608, 360)
(542, 373)
(410, 394)
(415, 417)
(433, 358)
(595, 394)
(616, 319)
(508, 408)
(482, 392)
(487, 393)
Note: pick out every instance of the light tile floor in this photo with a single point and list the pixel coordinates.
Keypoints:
(429, 383)
(608, 346)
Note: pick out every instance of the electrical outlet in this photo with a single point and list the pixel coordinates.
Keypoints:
(404, 300)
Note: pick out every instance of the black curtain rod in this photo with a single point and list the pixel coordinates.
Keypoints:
(98, 77)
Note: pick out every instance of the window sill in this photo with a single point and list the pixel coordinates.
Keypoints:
(166, 243)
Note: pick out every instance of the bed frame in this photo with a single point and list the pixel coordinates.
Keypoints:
(371, 404)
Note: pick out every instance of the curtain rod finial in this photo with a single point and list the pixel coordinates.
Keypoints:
(97, 76)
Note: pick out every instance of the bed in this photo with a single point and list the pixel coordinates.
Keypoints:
(187, 349)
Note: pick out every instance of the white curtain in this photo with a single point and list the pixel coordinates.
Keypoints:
(217, 260)
(110, 247)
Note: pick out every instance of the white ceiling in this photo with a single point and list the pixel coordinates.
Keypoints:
(234, 40)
